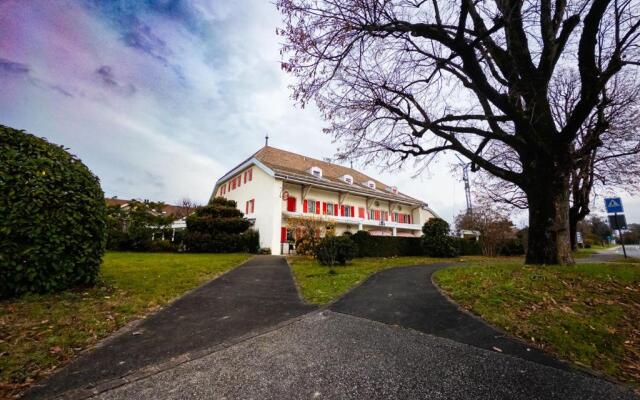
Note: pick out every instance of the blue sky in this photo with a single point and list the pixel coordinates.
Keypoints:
(161, 97)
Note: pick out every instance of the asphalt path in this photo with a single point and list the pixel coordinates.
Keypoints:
(257, 295)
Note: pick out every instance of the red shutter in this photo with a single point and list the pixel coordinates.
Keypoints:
(250, 174)
(353, 211)
(291, 204)
(305, 206)
(317, 207)
(283, 235)
(386, 215)
(335, 210)
(245, 176)
(377, 215)
(324, 208)
(360, 212)
(342, 211)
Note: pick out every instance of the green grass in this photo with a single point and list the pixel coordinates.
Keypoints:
(587, 314)
(39, 333)
(320, 284)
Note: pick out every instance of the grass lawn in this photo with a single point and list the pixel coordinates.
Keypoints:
(588, 314)
(320, 284)
(39, 333)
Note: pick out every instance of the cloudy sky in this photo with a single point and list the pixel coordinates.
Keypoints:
(161, 97)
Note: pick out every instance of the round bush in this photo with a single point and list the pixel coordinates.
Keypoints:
(436, 241)
(333, 250)
(52, 217)
(218, 227)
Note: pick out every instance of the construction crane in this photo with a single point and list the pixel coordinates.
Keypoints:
(467, 186)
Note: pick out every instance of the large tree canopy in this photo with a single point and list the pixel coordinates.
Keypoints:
(402, 78)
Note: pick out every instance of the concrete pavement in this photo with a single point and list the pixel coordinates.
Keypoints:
(328, 355)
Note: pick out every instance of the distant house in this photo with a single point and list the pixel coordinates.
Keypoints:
(274, 185)
(179, 213)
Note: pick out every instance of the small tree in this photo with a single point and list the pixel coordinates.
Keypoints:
(436, 241)
(216, 228)
(308, 231)
(496, 230)
(333, 250)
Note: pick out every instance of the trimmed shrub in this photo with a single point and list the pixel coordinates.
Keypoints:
(467, 247)
(52, 217)
(216, 228)
(251, 241)
(436, 241)
(512, 247)
(386, 246)
(334, 250)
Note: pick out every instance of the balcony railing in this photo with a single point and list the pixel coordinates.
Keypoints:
(353, 220)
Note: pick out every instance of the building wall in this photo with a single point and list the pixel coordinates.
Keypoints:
(418, 215)
(265, 190)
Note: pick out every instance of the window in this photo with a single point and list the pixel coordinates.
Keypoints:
(361, 212)
(316, 171)
(347, 211)
(348, 179)
(330, 209)
(311, 206)
(249, 206)
(371, 185)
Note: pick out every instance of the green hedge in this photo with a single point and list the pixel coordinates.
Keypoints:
(386, 246)
(52, 217)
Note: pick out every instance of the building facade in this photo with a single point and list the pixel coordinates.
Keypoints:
(274, 186)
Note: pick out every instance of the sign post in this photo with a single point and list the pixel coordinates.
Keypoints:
(614, 205)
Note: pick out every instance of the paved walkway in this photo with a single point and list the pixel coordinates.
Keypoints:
(245, 341)
(407, 297)
(328, 355)
(257, 295)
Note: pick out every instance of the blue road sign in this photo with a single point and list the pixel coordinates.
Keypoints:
(613, 204)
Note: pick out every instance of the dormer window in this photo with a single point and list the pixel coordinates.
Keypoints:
(371, 185)
(316, 171)
(392, 189)
(348, 179)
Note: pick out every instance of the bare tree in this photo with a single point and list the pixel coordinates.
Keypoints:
(613, 165)
(187, 207)
(412, 78)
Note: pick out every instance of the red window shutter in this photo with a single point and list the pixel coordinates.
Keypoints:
(305, 206)
(360, 212)
(342, 211)
(353, 211)
(335, 210)
(250, 174)
(283, 235)
(246, 207)
(324, 208)
(386, 215)
(291, 204)
(377, 215)
(245, 176)
(253, 205)
(317, 207)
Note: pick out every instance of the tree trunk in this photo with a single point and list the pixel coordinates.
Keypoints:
(549, 232)
(573, 229)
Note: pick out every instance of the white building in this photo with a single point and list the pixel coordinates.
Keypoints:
(273, 185)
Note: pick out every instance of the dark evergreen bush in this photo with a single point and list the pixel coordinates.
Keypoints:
(467, 247)
(216, 228)
(436, 241)
(52, 217)
(386, 246)
(333, 250)
(251, 241)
